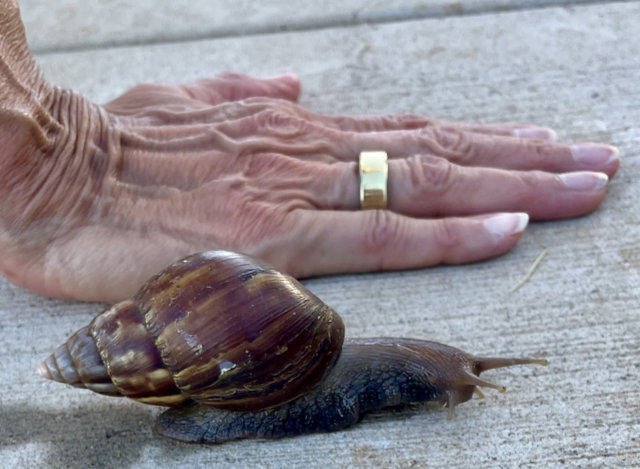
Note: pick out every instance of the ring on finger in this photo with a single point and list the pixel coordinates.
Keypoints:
(374, 171)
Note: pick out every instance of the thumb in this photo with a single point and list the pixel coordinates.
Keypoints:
(236, 86)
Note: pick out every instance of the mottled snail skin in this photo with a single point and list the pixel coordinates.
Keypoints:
(370, 374)
(241, 350)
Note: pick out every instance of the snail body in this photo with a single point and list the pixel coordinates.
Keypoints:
(239, 349)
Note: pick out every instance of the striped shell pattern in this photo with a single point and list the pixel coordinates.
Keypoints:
(217, 328)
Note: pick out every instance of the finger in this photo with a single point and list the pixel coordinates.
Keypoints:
(383, 123)
(298, 136)
(235, 87)
(429, 186)
(474, 149)
(375, 240)
(506, 130)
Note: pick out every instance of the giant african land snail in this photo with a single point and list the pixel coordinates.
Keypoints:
(240, 349)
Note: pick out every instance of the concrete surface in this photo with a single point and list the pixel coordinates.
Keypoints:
(71, 24)
(576, 69)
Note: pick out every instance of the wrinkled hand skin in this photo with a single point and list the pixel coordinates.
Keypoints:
(96, 198)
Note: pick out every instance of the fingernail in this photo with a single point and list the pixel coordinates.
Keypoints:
(584, 180)
(594, 153)
(506, 224)
(543, 133)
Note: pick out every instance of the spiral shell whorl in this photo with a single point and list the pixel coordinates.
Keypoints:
(114, 355)
(131, 356)
(77, 362)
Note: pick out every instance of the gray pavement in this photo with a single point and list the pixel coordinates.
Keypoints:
(574, 67)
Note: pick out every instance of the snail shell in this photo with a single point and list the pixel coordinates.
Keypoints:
(217, 328)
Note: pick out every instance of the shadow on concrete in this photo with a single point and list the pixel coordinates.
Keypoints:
(84, 436)
(117, 435)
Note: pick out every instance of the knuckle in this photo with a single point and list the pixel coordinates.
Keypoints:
(381, 229)
(430, 174)
(446, 236)
(279, 122)
(453, 144)
(231, 112)
(538, 151)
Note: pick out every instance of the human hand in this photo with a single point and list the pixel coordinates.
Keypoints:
(122, 190)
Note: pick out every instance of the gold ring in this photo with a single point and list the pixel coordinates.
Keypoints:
(374, 171)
